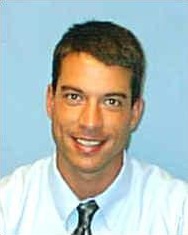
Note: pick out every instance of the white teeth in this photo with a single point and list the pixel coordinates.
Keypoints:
(88, 143)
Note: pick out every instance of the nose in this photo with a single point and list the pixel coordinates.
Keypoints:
(91, 117)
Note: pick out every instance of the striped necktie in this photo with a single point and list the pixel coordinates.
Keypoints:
(86, 212)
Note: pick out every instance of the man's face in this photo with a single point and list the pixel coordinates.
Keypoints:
(91, 114)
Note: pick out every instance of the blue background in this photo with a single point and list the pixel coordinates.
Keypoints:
(29, 32)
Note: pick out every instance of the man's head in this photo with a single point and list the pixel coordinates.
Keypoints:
(95, 100)
(108, 43)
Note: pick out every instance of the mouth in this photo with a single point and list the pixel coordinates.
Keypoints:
(87, 145)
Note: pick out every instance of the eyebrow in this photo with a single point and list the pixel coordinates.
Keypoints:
(119, 94)
(65, 88)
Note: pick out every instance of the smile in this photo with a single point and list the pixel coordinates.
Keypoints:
(88, 143)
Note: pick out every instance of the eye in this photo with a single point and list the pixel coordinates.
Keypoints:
(113, 102)
(72, 98)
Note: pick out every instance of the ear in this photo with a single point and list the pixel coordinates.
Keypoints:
(137, 111)
(49, 101)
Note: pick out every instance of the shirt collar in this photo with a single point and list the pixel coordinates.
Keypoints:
(65, 200)
(110, 201)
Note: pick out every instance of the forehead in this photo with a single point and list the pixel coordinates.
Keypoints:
(86, 72)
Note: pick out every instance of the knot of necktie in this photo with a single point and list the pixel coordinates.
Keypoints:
(86, 212)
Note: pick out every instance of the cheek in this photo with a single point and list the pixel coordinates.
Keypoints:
(119, 121)
(63, 120)
(62, 114)
(120, 129)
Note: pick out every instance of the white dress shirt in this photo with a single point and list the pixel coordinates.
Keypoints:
(143, 200)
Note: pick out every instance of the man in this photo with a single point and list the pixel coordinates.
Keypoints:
(90, 186)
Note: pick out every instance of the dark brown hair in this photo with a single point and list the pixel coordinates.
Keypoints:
(110, 43)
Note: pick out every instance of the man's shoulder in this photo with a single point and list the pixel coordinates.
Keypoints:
(162, 194)
(158, 180)
(22, 187)
(23, 174)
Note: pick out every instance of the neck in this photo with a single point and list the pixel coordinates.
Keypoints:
(88, 184)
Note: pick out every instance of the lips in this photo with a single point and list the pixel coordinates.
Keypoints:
(88, 145)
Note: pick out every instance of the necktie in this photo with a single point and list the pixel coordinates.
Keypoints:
(86, 212)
